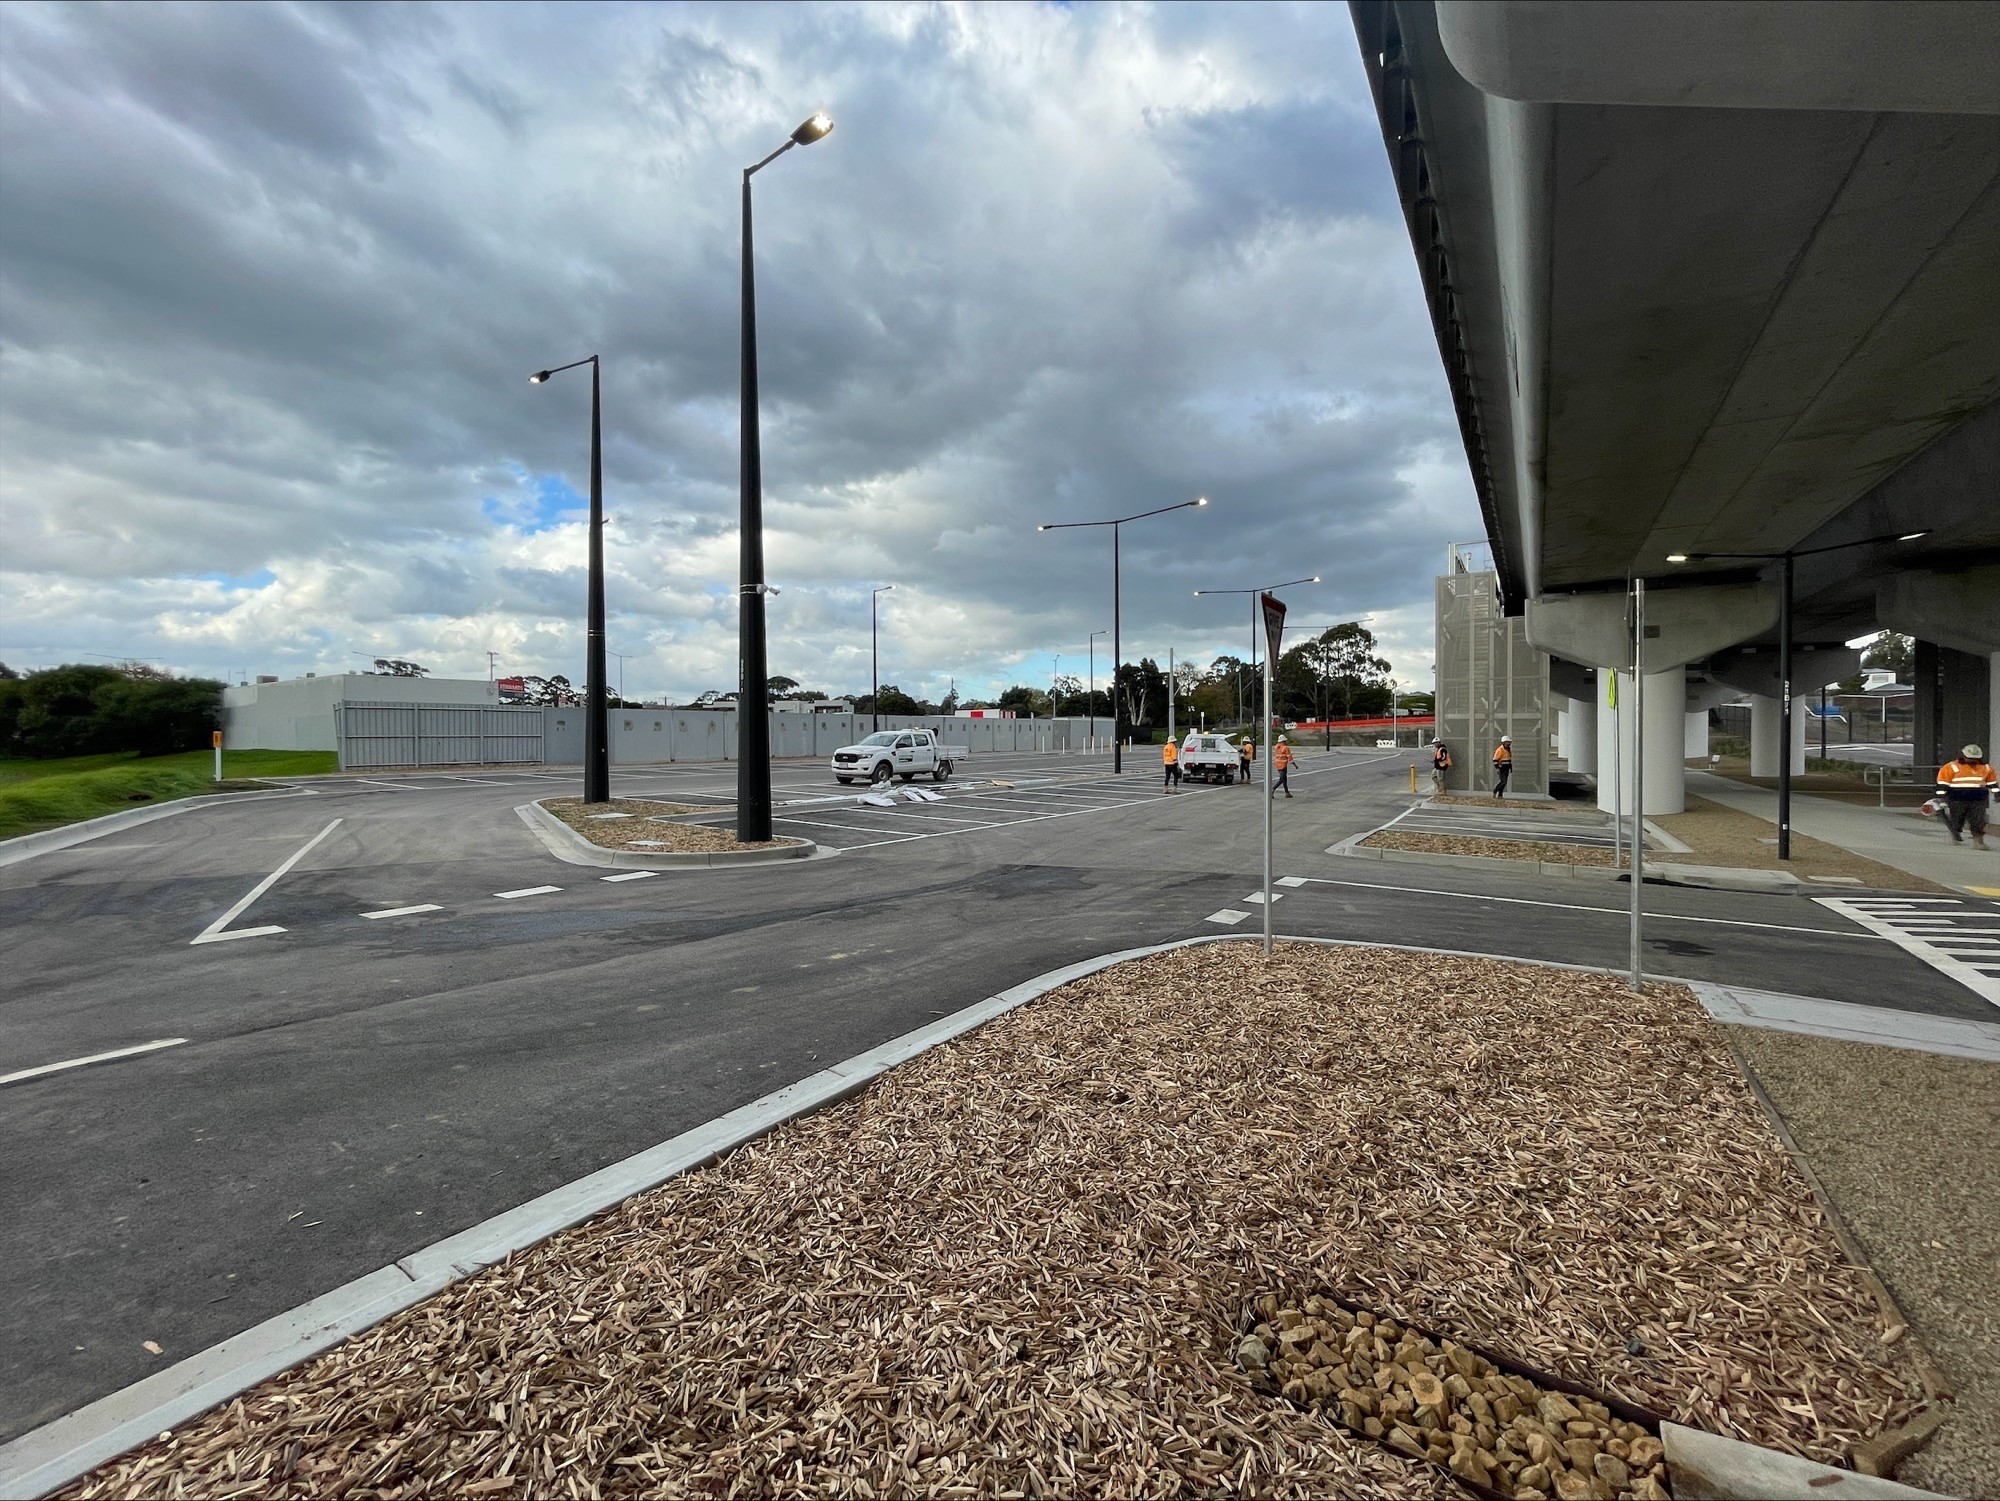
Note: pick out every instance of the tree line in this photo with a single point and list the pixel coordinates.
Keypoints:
(89, 710)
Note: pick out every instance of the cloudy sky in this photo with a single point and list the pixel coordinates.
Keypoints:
(272, 278)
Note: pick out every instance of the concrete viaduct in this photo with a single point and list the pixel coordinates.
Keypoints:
(1709, 278)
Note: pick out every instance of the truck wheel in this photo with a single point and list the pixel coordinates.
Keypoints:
(881, 774)
(941, 771)
(844, 781)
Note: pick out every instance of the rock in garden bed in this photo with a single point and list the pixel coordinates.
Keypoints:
(1504, 1432)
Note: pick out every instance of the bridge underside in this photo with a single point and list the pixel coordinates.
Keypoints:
(1711, 278)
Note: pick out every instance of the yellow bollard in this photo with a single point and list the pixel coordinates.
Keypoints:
(1413, 776)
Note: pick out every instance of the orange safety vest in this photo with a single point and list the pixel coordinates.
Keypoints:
(1502, 754)
(1967, 780)
(1247, 750)
(1170, 753)
(1281, 755)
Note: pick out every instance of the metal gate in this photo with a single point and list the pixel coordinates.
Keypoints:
(382, 735)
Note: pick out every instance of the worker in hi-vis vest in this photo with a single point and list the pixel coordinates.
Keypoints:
(1503, 764)
(1281, 762)
(1246, 756)
(1967, 784)
(1170, 760)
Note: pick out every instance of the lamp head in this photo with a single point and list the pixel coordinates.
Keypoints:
(1677, 557)
(1314, 579)
(538, 377)
(1201, 500)
(1912, 536)
(815, 129)
(1041, 528)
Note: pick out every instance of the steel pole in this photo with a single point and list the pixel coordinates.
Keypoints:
(1090, 739)
(1117, 660)
(1785, 711)
(597, 716)
(753, 727)
(874, 664)
(1638, 765)
(1270, 791)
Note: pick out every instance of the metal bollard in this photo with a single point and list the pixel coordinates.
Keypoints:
(1413, 777)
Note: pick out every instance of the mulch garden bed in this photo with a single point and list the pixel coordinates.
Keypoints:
(1019, 1264)
(647, 827)
(1492, 849)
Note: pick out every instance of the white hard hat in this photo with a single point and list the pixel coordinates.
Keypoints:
(1973, 753)
(1283, 741)
(1506, 739)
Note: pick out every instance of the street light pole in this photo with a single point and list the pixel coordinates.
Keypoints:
(596, 715)
(1253, 593)
(1785, 561)
(1117, 712)
(753, 723)
(875, 658)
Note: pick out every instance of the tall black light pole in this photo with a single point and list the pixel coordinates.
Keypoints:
(1253, 593)
(875, 657)
(596, 716)
(1117, 713)
(753, 724)
(1784, 559)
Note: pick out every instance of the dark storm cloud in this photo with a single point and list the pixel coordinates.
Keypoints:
(271, 279)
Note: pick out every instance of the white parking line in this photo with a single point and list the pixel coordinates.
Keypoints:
(214, 933)
(56, 1068)
(1522, 901)
(508, 896)
(476, 781)
(392, 786)
(404, 911)
(1227, 916)
(632, 875)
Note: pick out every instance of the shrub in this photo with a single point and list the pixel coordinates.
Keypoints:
(80, 710)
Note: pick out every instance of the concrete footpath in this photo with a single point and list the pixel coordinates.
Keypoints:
(1894, 836)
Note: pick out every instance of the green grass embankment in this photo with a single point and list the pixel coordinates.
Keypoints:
(38, 795)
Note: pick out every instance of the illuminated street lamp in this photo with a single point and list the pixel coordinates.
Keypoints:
(753, 722)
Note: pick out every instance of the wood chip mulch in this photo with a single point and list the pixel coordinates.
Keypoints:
(1492, 849)
(1016, 1265)
(1513, 804)
(649, 829)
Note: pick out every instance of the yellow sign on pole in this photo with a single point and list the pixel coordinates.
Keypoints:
(215, 739)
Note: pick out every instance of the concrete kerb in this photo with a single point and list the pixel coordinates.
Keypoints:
(48, 1458)
(27, 846)
(566, 843)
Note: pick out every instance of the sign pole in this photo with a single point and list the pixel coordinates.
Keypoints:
(1638, 839)
(1274, 630)
(216, 737)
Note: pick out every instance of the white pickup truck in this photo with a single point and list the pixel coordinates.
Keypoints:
(897, 753)
(1208, 758)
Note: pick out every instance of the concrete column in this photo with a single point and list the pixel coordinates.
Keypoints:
(1580, 734)
(1695, 745)
(1665, 732)
(1764, 718)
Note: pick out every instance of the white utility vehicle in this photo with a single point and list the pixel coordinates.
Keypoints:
(1207, 758)
(897, 753)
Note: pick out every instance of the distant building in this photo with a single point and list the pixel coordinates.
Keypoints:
(300, 714)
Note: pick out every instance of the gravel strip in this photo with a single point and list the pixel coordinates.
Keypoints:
(1907, 1146)
(648, 828)
(1017, 1264)
(1494, 848)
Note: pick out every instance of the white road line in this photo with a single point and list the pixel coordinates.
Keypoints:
(1257, 897)
(1226, 916)
(632, 875)
(392, 786)
(1898, 931)
(56, 1068)
(1521, 901)
(1291, 880)
(214, 933)
(508, 896)
(404, 911)
(476, 781)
